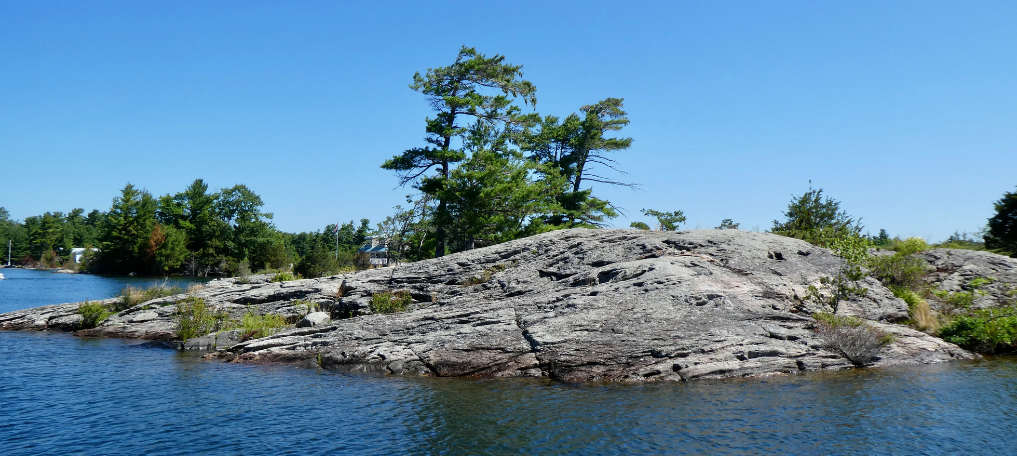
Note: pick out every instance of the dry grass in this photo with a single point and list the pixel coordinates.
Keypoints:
(856, 340)
(924, 318)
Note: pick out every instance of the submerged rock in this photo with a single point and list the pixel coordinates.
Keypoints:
(573, 305)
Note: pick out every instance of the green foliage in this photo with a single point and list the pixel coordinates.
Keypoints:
(991, 331)
(909, 246)
(321, 263)
(965, 241)
(92, 313)
(912, 298)
(196, 318)
(283, 277)
(816, 220)
(899, 270)
(474, 87)
(131, 295)
(124, 241)
(640, 226)
(566, 153)
(666, 221)
(255, 326)
(385, 303)
(727, 224)
(1002, 230)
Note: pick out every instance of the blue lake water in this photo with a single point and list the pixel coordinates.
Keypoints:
(65, 395)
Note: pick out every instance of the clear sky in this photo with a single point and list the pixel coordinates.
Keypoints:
(906, 112)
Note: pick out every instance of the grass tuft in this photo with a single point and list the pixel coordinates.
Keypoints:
(384, 303)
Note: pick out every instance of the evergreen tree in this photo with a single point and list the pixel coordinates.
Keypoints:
(127, 232)
(666, 221)
(816, 219)
(11, 230)
(1002, 231)
(569, 150)
(474, 87)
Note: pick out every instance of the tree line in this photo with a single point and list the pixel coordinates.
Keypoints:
(193, 232)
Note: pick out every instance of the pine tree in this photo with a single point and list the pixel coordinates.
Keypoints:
(474, 88)
(1002, 231)
(127, 231)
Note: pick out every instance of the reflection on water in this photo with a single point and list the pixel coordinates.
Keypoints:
(60, 394)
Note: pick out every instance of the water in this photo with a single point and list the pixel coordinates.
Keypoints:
(60, 394)
(26, 288)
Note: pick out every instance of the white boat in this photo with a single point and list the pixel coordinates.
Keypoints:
(1, 276)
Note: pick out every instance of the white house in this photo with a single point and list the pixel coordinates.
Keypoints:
(79, 253)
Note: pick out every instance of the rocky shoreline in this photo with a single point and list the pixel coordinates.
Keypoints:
(572, 305)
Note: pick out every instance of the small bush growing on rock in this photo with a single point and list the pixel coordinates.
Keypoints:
(485, 276)
(856, 340)
(921, 314)
(243, 272)
(899, 270)
(992, 331)
(92, 313)
(196, 318)
(254, 326)
(283, 277)
(384, 303)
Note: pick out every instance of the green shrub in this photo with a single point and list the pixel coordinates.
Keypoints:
(384, 303)
(836, 321)
(991, 331)
(899, 270)
(919, 312)
(196, 318)
(92, 313)
(320, 263)
(283, 277)
(909, 246)
(254, 326)
(956, 301)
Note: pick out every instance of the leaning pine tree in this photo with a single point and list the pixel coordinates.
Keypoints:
(475, 87)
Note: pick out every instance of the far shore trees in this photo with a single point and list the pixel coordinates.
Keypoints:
(1002, 230)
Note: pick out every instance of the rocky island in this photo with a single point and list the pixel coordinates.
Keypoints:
(572, 305)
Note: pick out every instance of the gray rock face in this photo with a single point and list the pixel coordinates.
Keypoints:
(954, 271)
(574, 305)
(224, 339)
(611, 305)
(314, 319)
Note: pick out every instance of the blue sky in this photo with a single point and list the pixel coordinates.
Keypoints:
(906, 112)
